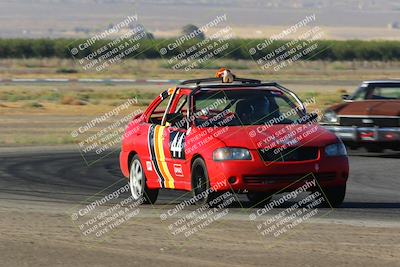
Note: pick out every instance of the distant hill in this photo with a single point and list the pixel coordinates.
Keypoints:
(344, 19)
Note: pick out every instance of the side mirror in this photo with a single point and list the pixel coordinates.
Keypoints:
(345, 97)
(174, 118)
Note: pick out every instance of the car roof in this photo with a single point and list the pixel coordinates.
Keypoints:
(382, 81)
(217, 83)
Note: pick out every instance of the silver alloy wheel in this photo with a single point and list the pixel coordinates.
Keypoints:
(136, 179)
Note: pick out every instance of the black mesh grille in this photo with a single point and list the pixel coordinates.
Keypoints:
(272, 179)
(289, 154)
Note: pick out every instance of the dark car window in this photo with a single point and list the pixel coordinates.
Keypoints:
(157, 114)
(385, 93)
(245, 107)
(377, 91)
(180, 108)
(360, 94)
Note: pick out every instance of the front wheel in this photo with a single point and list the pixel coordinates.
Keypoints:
(335, 196)
(137, 183)
(200, 182)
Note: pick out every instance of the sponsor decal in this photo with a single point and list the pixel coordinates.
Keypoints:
(149, 166)
(178, 170)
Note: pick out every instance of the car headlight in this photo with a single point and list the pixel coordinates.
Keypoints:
(337, 149)
(329, 117)
(230, 153)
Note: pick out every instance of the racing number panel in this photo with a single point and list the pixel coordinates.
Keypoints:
(177, 144)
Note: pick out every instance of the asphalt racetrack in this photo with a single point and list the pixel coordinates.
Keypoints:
(41, 188)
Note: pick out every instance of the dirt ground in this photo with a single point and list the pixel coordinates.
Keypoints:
(31, 236)
(40, 232)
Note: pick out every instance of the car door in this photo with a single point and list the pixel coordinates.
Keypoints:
(152, 135)
(174, 141)
(165, 159)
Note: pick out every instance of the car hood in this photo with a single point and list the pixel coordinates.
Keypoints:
(260, 136)
(368, 107)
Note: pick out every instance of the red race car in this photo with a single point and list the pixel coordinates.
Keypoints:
(219, 134)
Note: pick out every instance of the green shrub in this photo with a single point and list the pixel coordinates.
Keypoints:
(237, 49)
(33, 105)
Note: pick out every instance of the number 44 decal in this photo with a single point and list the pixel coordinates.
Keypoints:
(177, 145)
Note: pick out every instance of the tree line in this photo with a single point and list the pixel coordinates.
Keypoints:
(237, 49)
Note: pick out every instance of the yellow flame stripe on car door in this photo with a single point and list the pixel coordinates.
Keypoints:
(169, 180)
(157, 137)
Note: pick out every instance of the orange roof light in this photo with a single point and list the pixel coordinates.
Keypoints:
(226, 75)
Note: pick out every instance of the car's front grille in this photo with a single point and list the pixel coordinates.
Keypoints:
(369, 121)
(289, 154)
(289, 178)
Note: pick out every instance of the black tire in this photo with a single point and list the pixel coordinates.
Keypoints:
(351, 147)
(335, 196)
(259, 198)
(374, 148)
(150, 195)
(200, 182)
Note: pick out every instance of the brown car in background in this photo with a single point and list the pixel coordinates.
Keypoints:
(368, 118)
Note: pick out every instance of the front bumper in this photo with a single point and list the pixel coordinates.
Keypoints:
(365, 134)
(256, 175)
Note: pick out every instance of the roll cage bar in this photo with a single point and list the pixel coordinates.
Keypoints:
(216, 83)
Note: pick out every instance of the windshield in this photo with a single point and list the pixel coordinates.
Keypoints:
(244, 107)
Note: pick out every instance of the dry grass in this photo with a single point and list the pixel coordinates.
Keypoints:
(50, 122)
(33, 104)
(159, 69)
(70, 100)
(45, 114)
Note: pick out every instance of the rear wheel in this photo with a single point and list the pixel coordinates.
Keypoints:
(137, 183)
(335, 196)
(259, 198)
